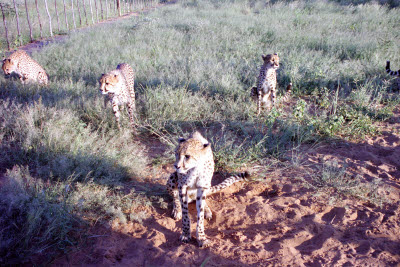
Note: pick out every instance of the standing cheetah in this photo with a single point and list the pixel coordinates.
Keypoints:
(266, 83)
(26, 68)
(192, 180)
(118, 85)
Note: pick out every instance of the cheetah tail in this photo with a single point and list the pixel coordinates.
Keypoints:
(288, 93)
(390, 72)
(243, 176)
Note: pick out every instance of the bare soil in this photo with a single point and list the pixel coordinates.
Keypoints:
(276, 222)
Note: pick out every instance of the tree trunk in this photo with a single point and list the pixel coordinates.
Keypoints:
(5, 25)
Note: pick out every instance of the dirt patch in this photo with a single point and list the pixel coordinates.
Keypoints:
(278, 221)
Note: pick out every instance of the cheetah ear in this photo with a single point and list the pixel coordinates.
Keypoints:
(267, 57)
(263, 56)
(181, 140)
(276, 54)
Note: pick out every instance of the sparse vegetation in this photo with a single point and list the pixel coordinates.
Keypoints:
(195, 63)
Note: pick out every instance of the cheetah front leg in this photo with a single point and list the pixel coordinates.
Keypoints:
(172, 187)
(131, 115)
(183, 197)
(116, 113)
(201, 204)
(273, 96)
(258, 102)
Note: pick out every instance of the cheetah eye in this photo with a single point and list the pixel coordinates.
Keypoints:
(187, 157)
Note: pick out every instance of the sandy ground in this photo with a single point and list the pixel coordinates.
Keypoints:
(277, 221)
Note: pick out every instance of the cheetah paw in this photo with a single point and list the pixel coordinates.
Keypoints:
(184, 238)
(204, 243)
(176, 214)
(208, 215)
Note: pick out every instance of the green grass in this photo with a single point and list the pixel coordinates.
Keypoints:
(195, 63)
(59, 26)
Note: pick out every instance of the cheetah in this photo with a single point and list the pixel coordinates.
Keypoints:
(118, 85)
(192, 180)
(266, 83)
(393, 73)
(26, 68)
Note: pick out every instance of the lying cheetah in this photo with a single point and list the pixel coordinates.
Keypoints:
(26, 68)
(192, 180)
(118, 85)
(266, 83)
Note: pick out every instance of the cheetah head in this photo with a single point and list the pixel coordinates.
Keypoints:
(271, 60)
(190, 152)
(109, 83)
(9, 66)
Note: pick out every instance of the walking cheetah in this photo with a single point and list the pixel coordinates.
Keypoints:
(118, 85)
(25, 67)
(192, 180)
(393, 73)
(266, 83)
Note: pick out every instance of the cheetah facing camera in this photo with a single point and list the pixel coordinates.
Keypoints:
(27, 69)
(192, 181)
(266, 83)
(118, 85)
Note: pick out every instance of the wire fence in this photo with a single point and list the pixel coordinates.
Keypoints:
(27, 20)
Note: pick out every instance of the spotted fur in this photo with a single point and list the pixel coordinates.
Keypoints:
(192, 180)
(118, 85)
(25, 68)
(266, 83)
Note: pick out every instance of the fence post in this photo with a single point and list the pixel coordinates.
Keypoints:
(119, 7)
(58, 20)
(65, 15)
(5, 25)
(73, 14)
(79, 12)
(40, 23)
(48, 14)
(18, 29)
(91, 10)
(97, 12)
(29, 22)
(106, 10)
(101, 10)
(84, 11)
